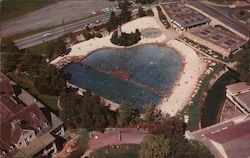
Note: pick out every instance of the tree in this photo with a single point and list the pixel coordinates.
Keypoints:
(141, 12)
(149, 12)
(125, 114)
(149, 114)
(125, 14)
(113, 22)
(30, 63)
(181, 147)
(85, 111)
(243, 66)
(154, 146)
(170, 128)
(10, 55)
(50, 81)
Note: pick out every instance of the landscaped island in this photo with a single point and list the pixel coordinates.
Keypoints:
(125, 39)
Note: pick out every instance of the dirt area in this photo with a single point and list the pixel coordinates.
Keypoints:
(53, 15)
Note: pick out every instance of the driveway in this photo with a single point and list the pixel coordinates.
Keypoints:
(53, 14)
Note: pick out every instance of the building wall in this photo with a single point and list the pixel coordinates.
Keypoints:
(216, 48)
(242, 109)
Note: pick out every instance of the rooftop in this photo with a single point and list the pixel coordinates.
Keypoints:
(234, 138)
(35, 146)
(238, 87)
(183, 15)
(21, 112)
(218, 37)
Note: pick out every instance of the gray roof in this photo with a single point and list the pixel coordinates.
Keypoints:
(185, 16)
(234, 137)
(238, 87)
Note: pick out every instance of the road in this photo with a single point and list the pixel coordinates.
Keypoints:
(222, 14)
(51, 15)
(58, 32)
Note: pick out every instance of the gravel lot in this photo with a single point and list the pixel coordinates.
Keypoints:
(54, 14)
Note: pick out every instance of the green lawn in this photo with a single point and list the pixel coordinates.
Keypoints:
(42, 47)
(125, 151)
(14, 8)
(24, 82)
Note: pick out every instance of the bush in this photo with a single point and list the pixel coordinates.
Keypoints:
(149, 12)
(126, 39)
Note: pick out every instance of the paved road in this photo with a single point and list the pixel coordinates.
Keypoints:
(60, 31)
(221, 14)
(53, 14)
(57, 32)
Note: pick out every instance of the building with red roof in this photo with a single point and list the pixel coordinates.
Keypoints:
(27, 127)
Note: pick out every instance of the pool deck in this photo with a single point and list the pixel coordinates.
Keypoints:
(192, 69)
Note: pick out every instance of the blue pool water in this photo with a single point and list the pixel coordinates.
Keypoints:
(150, 65)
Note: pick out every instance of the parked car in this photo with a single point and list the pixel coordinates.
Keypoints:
(47, 34)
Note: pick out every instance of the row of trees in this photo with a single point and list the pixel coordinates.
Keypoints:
(116, 20)
(243, 66)
(85, 111)
(166, 140)
(45, 77)
(126, 39)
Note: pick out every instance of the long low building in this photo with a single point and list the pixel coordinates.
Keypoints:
(220, 41)
(239, 95)
(227, 139)
(183, 17)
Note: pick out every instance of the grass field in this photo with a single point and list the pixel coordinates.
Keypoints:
(125, 151)
(41, 48)
(14, 8)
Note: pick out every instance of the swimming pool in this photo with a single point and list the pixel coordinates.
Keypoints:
(153, 71)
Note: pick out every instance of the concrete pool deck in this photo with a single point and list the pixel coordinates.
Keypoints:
(85, 48)
(187, 81)
(192, 69)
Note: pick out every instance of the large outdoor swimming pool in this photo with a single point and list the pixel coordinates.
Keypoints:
(152, 71)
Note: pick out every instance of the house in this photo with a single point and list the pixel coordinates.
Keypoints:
(27, 127)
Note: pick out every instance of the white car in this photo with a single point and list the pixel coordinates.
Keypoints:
(47, 34)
